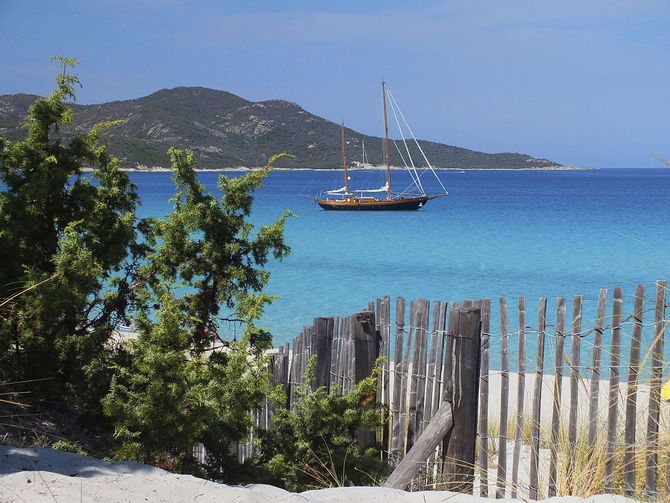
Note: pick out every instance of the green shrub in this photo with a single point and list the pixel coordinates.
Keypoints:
(316, 444)
(176, 390)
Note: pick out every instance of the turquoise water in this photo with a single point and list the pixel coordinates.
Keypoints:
(499, 233)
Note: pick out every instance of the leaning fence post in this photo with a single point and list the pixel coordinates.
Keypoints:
(424, 447)
(455, 423)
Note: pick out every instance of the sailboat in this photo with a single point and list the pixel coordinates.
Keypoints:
(365, 162)
(412, 198)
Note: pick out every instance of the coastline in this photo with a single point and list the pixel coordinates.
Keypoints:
(243, 169)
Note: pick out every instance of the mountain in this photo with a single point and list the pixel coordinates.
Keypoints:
(225, 130)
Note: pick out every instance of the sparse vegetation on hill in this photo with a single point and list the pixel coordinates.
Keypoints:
(224, 130)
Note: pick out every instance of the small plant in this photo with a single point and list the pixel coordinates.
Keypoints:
(318, 443)
(66, 446)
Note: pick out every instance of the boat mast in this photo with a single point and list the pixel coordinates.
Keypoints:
(344, 163)
(386, 145)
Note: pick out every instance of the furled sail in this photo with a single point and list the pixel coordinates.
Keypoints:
(341, 190)
(380, 189)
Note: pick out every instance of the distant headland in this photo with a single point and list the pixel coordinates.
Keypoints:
(227, 131)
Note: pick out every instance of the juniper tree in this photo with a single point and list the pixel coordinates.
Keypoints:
(71, 242)
(74, 235)
(206, 264)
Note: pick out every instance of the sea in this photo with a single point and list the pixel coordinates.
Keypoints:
(497, 234)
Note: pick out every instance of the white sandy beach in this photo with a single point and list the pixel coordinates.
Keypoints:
(47, 475)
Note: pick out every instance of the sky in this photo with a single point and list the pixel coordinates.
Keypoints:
(581, 82)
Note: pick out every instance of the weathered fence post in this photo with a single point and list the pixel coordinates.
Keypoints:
(430, 367)
(575, 363)
(437, 394)
(322, 336)
(383, 327)
(501, 478)
(459, 443)
(334, 354)
(651, 476)
(594, 393)
(349, 360)
(455, 423)
(365, 352)
(631, 396)
(484, 402)
(410, 378)
(613, 402)
(294, 369)
(521, 393)
(342, 346)
(440, 335)
(418, 389)
(556, 411)
(308, 349)
(533, 486)
(397, 436)
(366, 344)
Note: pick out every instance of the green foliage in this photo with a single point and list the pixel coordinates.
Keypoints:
(158, 399)
(316, 444)
(73, 246)
(77, 260)
(204, 256)
(65, 446)
(73, 235)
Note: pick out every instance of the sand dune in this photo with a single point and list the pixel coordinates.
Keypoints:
(47, 475)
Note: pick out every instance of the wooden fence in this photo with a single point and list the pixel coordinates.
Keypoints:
(420, 368)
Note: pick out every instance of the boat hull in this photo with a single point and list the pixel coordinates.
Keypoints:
(407, 204)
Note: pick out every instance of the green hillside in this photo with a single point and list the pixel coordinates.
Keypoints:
(225, 130)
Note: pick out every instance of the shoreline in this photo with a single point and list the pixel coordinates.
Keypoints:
(156, 169)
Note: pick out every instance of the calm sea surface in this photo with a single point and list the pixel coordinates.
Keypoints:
(499, 233)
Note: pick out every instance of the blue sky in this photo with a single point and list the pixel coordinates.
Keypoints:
(582, 82)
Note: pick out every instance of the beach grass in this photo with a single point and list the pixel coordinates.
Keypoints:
(581, 467)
